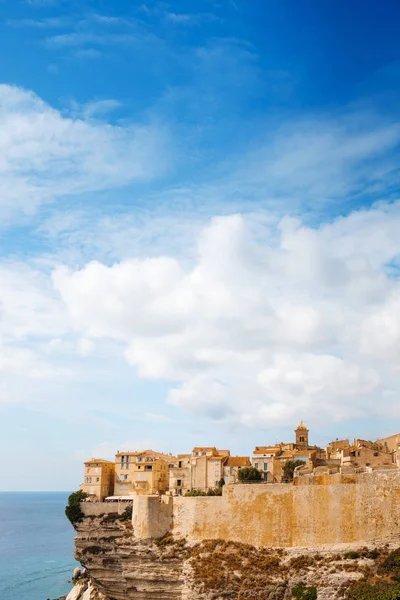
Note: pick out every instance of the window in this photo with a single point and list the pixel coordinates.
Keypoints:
(144, 476)
(216, 484)
(203, 453)
(217, 473)
(180, 464)
(217, 462)
(302, 438)
(256, 465)
(196, 453)
(125, 477)
(97, 479)
(139, 459)
(179, 482)
(265, 466)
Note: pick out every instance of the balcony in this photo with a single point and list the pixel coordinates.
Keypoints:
(142, 485)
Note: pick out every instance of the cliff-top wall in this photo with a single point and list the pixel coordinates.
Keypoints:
(279, 515)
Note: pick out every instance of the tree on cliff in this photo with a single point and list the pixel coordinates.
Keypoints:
(288, 469)
(248, 474)
(73, 508)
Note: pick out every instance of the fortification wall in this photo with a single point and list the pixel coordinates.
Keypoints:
(95, 509)
(280, 515)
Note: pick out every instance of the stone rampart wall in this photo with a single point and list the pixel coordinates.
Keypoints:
(95, 509)
(280, 515)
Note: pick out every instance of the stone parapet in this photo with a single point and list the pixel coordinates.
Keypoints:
(364, 508)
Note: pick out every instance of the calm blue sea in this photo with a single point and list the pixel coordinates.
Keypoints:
(36, 546)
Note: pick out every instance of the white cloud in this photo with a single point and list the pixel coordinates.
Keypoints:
(45, 156)
(85, 347)
(266, 323)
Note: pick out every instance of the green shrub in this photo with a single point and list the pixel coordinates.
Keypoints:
(210, 492)
(73, 509)
(391, 563)
(301, 592)
(370, 554)
(127, 514)
(288, 469)
(379, 591)
(352, 555)
(195, 493)
(247, 474)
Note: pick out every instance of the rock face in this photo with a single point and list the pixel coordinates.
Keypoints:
(121, 567)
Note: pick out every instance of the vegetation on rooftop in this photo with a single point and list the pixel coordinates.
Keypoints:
(210, 492)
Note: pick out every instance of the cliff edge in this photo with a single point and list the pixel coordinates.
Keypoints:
(121, 567)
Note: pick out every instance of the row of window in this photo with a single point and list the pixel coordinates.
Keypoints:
(265, 466)
(89, 479)
(126, 466)
(140, 477)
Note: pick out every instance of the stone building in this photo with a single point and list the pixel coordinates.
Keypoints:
(98, 481)
(180, 480)
(270, 460)
(232, 466)
(200, 470)
(141, 473)
(263, 460)
(391, 444)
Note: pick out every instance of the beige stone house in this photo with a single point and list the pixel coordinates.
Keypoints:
(98, 479)
(232, 466)
(270, 460)
(138, 473)
(391, 444)
(263, 460)
(206, 465)
(200, 470)
(180, 480)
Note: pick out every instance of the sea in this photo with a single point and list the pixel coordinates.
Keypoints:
(36, 546)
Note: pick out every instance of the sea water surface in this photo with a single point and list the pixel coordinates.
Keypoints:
(36, 546)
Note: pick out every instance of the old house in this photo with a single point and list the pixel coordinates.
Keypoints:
(180, 480)
(232, 466)
(200, 470)
(98, 481)
(138, 473)
(270, 460)
(263, 460)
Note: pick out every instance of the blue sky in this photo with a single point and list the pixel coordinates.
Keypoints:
(199, 225)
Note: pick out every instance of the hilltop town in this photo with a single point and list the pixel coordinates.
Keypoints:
(135, 473)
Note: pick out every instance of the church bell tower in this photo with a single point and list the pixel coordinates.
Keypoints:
(301, 436)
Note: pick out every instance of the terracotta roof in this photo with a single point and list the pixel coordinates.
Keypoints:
(150, 453)
(216, 457)
(99, 460)
(204, 448)
(266, 449)
(224, 452)
(291, 453)
(238, 461)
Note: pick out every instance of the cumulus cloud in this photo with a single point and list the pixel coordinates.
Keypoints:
(45, 155)
(289, 322)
